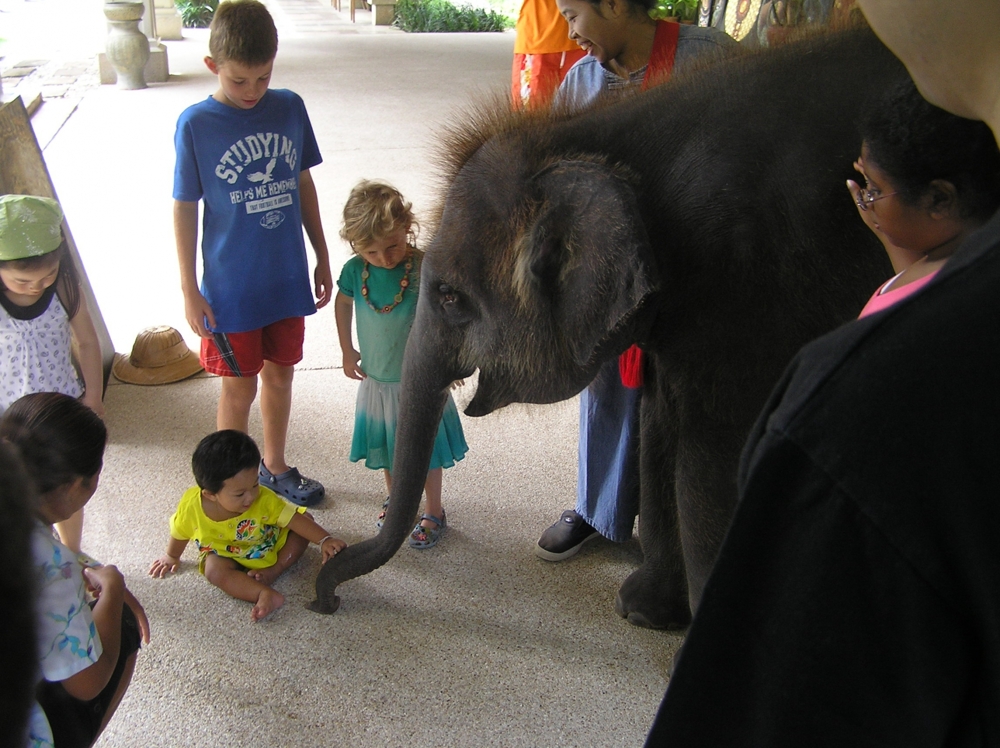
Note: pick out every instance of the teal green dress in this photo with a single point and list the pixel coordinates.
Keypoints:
(382, 340)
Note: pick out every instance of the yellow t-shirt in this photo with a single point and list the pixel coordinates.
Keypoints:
(253, 538)
(541, 30)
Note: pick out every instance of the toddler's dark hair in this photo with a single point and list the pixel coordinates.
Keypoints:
(60, 439)
(915, 142)
(67, 281)
(242, 31)
(220, 456)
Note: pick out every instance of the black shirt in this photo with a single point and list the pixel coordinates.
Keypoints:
(856, 599)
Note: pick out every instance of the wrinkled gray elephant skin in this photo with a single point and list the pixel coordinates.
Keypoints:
(707, 220)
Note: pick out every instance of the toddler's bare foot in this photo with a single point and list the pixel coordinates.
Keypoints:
(264, 576)
(268, 602)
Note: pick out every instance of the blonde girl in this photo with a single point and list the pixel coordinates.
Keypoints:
(380, 282)
(42, 315)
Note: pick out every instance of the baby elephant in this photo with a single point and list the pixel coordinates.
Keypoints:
(705, 220)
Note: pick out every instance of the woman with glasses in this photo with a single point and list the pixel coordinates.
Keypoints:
(931, 179)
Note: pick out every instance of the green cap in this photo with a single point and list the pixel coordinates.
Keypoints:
(29, 226)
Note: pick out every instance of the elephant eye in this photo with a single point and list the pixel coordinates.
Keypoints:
(455, 307)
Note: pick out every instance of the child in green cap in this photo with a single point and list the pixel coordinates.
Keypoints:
(41, 314)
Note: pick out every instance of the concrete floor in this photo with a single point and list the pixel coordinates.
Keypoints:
(475, 642)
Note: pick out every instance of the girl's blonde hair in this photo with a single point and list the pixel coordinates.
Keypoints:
(374, 210)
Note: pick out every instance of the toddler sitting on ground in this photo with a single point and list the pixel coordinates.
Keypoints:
(246, 534)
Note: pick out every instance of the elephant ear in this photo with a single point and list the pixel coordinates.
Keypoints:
(585, 258)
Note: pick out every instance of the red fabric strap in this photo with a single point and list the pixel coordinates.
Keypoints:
(630, 367)
(658, 69)
(661, 60)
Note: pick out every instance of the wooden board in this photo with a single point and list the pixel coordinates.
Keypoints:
(23, 171)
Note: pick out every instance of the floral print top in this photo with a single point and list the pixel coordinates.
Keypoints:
(67, 637)
(253, 538)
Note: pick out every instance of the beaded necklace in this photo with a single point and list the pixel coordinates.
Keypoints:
(402, 287)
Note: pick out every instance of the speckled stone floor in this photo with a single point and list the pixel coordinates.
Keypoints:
(476, 642)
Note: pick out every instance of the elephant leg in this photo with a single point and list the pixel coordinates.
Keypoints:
(706, 495)
(655, 595)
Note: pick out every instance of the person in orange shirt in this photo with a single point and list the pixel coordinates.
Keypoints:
(543, 54)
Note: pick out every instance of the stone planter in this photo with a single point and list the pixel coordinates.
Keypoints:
(127, 47)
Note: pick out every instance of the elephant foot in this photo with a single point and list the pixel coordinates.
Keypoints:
(324, 607)
(645, 600)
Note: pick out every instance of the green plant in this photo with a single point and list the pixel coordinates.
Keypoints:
(441, 15)
(196, 14)
(683, 10)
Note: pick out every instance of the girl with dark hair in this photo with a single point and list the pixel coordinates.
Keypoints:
(931, 179)
(89, 624)
(42, 315)
(626, 48)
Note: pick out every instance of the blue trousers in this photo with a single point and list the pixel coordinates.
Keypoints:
(607, 493)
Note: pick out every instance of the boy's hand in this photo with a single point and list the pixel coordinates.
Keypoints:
(196, 309)
(324, 283)
(351, 368)
(140, 615)
(331, 547)
(164, 564)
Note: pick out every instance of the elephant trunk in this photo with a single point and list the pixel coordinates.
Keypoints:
(422, 397)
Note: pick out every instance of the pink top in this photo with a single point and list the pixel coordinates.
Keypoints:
(884, 299)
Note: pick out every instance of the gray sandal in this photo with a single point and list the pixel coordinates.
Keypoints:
(427, 537)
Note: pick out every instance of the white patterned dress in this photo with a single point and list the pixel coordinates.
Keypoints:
(35, 345)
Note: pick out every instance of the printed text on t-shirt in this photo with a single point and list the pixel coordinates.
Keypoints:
(251, 148)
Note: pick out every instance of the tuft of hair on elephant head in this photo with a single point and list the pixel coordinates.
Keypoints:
(706, 220)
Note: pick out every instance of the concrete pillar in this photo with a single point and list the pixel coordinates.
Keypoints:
(383, 12)
(168, 20)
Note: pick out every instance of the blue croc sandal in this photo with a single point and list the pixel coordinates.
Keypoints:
(427, 537)
(292, 486)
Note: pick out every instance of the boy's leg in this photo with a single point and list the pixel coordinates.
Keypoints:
(236, 357)
(275, 409)
(295, 545)
(281, 344)
(237, 396)
(231, 578)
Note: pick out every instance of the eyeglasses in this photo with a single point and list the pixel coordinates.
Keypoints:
(866, 197)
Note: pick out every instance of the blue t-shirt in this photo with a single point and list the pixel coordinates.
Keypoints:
(245, 165)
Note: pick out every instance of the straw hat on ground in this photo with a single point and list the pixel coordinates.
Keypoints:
(159, 356)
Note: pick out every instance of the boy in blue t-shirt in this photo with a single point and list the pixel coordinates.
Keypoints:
(246, 152)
